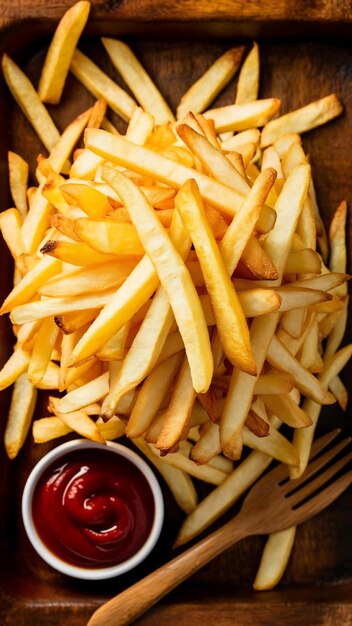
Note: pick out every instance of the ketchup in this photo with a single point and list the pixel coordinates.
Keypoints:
(93, 508)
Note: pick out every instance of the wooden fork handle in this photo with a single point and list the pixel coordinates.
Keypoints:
(131, 603)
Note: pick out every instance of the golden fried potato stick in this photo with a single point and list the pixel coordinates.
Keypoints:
(152, 394)
(30, 283)
(87, 279)
(179, 483)
(230, 320)
(337, 240)
(37, 220)
(240, 230)
(82, 424)
(213, 160)
(238, 117)
(139, 82)
(207, 473)
(30, 104)
(18, 176)
(302, 439)
(16, 365)
(248, 79)
(209, 85)
(43, 346)
(99, 84)
(97, 114)
(173, 276)
(274, 559)
(20, 415)
(178, 415)
(303, 119)
(281, 359)
(109, 236)
(57, 62)
(76, 253)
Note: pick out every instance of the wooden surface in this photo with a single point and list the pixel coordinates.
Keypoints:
(317, 587)
(165, 10)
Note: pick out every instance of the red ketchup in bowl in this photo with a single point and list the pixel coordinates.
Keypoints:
(93, 508)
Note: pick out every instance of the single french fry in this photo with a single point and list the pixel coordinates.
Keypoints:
(337, 239)
(302, 262)
(241, 140)
(99, 84)
(10, 226)
(302, 439)
(238, 234)
(18, 176)
(213, 160)
(177, 417)
(30, 283)
(139, 82)
(248, 79)
(29, 102)
(60, 52)
(151, 395)
(280, 358)
(16, 365)
(294, 298)
(109, 237)
(274, 444)
(254, 262)
(285, 408)
(85, 165)
(292, 322)
(274, 559)
(97, 114)
(114, 349)
(303, 119)
(337, 333)
(43, 345)
(20, 415)
(340, 392)
(48, 428)
(209, 85)
(173, 276)
(91, 198)
(63, 148)
(239, 117)
(179, 483)
(75, 253)
(274, 382)
(83, 425)
(70, 322)
(205, 473)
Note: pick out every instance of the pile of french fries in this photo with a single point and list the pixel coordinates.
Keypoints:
(175, 284)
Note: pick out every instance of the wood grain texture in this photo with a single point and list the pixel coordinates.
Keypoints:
(297, 72)
(183, 10)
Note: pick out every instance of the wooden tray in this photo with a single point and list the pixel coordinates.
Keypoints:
(176, 41)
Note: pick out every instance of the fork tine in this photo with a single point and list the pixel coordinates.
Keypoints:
(316, 465)
(323, 441)
(319, 481)
(323, 499)
(281, 471)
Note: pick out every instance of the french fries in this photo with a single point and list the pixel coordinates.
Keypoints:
(60, 52)
(138, 80)
(29, 102)
(172, 283)
(207, 87)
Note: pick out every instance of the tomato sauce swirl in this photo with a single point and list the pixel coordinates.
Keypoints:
(93, 508)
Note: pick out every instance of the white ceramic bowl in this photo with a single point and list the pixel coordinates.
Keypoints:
(77, 571)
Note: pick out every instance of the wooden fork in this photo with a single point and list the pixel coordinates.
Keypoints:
(273, 503)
